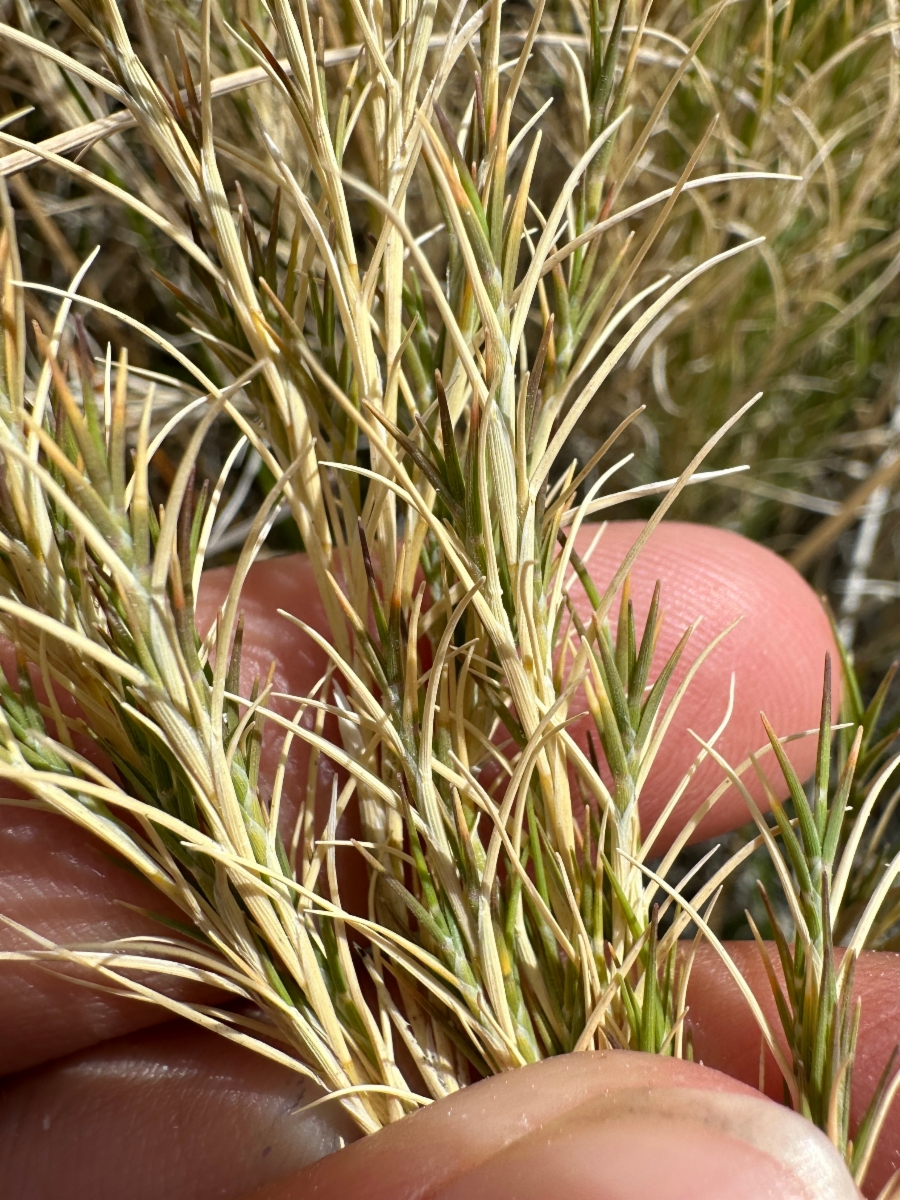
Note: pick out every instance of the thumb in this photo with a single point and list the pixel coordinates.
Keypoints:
(605, 1126)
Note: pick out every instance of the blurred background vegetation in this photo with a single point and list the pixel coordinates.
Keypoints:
(810, 88)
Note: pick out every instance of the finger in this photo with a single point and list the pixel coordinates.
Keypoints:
(174, 1112)
(727, 1037)
(611, 1126)
(776, 654)
(59, 882)
(56, 880)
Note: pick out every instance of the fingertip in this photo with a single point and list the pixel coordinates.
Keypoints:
(776, 654)
(608, 1126)
(727, 1037)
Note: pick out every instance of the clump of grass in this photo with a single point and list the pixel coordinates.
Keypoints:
(409, 393)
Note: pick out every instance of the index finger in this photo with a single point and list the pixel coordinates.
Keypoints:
(775, 654)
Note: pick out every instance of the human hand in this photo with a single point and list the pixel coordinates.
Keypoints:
(112, 1107)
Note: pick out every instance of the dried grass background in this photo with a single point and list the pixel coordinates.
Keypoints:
(812, 321)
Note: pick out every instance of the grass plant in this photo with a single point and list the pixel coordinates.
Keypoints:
(405, 317)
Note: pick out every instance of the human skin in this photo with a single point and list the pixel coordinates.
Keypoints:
(108, 1102)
